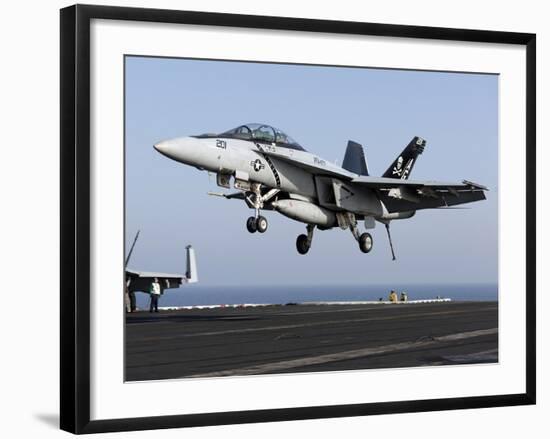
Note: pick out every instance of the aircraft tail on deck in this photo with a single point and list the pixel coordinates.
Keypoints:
(354, 160)
(402, 166)
(191, 274)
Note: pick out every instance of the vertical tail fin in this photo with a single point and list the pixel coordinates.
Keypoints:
(354, 160)
(191, 274)
(402, 166)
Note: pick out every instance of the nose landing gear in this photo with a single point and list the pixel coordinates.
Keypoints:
(261, 224)
(256, 200)
(251, 224)
(258, 224)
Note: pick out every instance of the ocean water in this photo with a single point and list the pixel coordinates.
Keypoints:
(219, 295)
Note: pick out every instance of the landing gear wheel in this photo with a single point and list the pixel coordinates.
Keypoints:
(261, 224)
(251, 224)
(302, 244)
(365, 242)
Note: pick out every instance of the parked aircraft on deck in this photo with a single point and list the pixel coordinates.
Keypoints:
(137, 280)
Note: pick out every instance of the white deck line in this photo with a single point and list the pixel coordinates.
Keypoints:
(255, 305)
(346, 355)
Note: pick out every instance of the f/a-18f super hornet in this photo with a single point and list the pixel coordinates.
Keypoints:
(142, 280)
(273, 172)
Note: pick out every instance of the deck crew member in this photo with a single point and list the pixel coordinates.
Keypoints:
(154, 292)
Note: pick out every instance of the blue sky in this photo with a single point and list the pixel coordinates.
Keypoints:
(322, 108)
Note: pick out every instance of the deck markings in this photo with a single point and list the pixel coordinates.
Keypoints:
(345, 355)
(310, 324)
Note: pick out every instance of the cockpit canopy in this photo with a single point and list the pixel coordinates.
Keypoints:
(262, 133)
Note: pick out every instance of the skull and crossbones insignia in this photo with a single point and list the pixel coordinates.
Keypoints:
(398, 168)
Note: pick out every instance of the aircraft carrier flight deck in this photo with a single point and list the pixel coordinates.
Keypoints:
(232, 341)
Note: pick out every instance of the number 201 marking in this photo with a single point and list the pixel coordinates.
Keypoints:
(221, 144)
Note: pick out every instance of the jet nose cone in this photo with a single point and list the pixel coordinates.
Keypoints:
(162, 147)
(186, 150)
(168, 148)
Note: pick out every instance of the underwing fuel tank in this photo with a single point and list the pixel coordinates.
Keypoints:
(305, 212)
(398, 215)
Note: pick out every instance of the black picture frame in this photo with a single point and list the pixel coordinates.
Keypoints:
(75, 217)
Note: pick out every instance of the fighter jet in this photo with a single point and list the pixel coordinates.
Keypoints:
(141, 280)
(271, 171)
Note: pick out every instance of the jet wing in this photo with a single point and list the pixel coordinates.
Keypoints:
(402, 195)
(141, 280)
(310, 163)
(150, 274)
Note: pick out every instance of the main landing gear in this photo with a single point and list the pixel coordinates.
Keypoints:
(365, 242)
(365, 239)
(303, 242)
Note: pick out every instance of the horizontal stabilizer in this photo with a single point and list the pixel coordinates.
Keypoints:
(354, 160)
